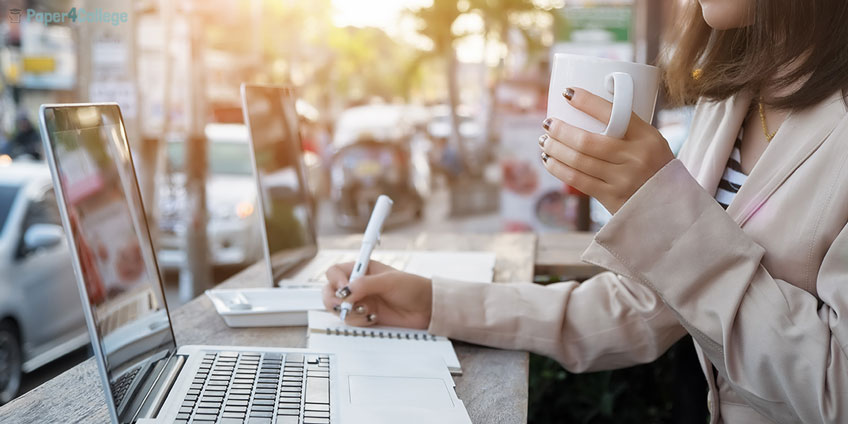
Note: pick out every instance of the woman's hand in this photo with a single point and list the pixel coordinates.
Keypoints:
(606, 168)
(384, 295)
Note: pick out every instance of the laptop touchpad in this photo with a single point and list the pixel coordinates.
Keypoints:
(399, 391)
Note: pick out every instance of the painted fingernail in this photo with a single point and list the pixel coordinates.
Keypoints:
(360, 309)
(343, 292)
(547, 124)
(542, 139)
(545, 157)
(337, 308)
(371, 318)
(568, 93)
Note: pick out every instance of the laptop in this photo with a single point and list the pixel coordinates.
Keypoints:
(288, 224)
(147, 377)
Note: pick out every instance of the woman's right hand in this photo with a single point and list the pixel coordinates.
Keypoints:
(383, 295)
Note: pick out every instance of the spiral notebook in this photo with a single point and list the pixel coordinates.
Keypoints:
(329, 334)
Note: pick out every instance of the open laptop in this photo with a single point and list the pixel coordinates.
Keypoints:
(146, 376)
(288, 227)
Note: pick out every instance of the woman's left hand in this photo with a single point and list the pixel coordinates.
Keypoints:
(608, 169)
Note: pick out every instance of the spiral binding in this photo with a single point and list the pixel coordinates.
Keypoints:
(380, 334)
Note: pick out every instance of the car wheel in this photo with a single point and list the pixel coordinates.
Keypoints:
(10, 362)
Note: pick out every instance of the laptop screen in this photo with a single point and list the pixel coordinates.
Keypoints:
(281, 176)
(110, 243)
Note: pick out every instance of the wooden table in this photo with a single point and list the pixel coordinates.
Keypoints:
(493, 386)
(559, 254)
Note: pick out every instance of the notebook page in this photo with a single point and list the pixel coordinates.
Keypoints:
(328, 333)
(465, 266)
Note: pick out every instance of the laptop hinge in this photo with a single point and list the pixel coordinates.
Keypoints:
(161, 388)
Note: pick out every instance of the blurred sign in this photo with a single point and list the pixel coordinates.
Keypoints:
(48, 57)
(599, 31)
(109, 53)
(120, 92)
(531, 198)
(39, 64)
(614, 23)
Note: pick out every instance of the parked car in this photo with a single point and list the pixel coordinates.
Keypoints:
(373, 157)
(41, 316)
(233, 225)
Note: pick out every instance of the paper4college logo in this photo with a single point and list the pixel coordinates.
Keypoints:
(15, 15)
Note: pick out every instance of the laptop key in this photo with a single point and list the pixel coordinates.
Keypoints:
(289, 403)
(318, 390)
(288, 411)
(209, 405)
(290, 395)
(259, 420)
(239, 415)
(316, 407)
(316, 420)
(317, 414)
(287, 419)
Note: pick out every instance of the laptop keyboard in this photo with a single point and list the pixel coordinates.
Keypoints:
(259, 388)
(120, 386)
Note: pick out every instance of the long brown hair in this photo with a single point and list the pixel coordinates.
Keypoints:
(811, 35)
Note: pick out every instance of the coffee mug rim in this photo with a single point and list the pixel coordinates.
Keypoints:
(587, 58)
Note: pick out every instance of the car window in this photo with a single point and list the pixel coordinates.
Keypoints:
(41, 210)
(224, 158)
(7, 196)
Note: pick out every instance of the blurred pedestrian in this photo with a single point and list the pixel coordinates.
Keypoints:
(26, 142)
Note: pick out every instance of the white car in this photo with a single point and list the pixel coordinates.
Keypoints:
(233, 226)
(41, 316)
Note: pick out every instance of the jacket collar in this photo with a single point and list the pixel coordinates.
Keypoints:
(797, 138)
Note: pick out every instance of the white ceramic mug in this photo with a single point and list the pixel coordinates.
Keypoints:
(631, 87)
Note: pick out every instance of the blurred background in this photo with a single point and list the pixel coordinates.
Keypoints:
(454, 92)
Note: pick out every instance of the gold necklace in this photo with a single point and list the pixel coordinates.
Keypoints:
(769, 135)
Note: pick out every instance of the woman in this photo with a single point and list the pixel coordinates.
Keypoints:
(762, 286)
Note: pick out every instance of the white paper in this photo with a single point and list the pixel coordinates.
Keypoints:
(329, 334)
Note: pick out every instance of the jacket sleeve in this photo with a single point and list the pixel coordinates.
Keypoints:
(604, 323)
(778, 347)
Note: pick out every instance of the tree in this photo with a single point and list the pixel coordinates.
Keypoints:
(436, 23)
(498, 16)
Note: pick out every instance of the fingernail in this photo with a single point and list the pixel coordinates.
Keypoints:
(360, 309)
(337, 308)
(542, 139)
(545, 157)
(371, 318)
(547, 124)
(568, 93)
(343, 292)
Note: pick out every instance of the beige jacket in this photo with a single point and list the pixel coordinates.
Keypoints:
(762, 287)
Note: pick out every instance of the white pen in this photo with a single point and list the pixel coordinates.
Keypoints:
(369, 241)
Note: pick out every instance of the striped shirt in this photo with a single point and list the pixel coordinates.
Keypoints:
(733, 177)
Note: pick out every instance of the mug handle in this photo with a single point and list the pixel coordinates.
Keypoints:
(620, 84)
